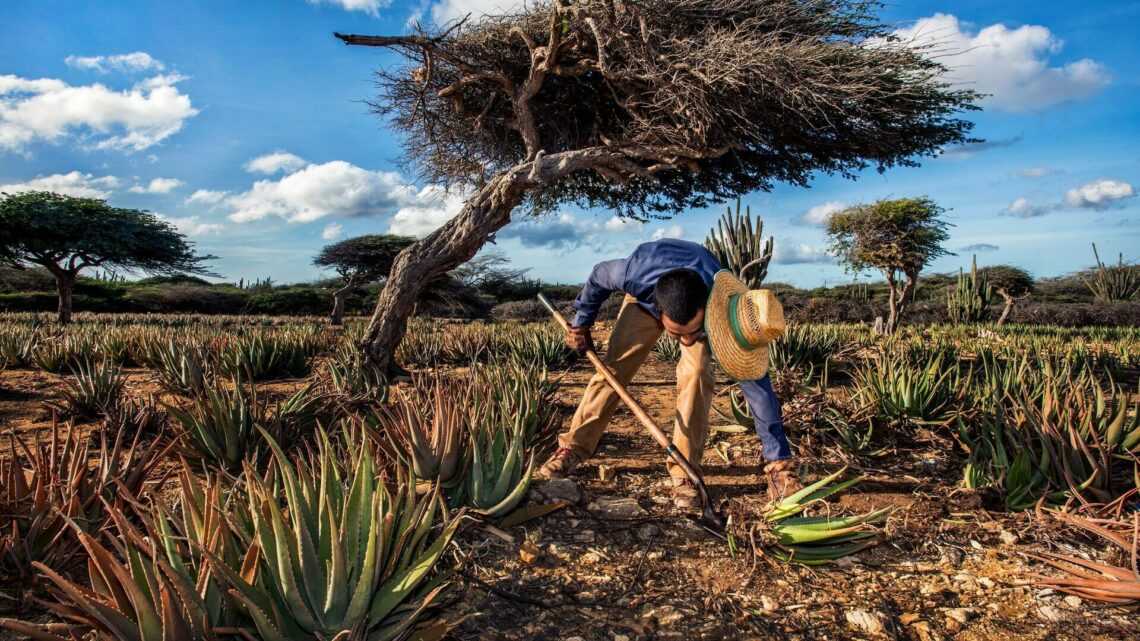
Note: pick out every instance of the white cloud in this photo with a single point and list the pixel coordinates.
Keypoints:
(275, 162)
(786, 254)
(430, 208)
(335, 188)
(75, 184)
(194, 226)
(1099, 194)
(207, 196)
(1012, 65)
(1024, 208)
(332, 231)
(157, 186)
(126, 62)
(1035, 173)
(50, 110)
(446, 10)
(371, 7)
(672, 231)
(820, 214)
(618, 224)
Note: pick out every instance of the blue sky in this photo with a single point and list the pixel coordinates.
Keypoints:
(243, 123)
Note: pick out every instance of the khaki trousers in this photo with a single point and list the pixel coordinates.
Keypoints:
(635, 332)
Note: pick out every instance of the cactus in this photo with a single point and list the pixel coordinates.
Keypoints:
(740, 247)
(968, 302)
(1113, 282)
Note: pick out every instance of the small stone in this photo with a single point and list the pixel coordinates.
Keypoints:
(559, 490)
(620, 637)
(655, 555)
(648, 531)
(529, 552)
(977, 546)
(585, 536)
(667, 615)
(1073, 601)
(909, 618)
(961, 615)
(953, 556)
(768, 604)
(865, 622)
(573, 639)
(1008, 538)
(1050, 613)
(606, 473)
(952, 625)
(616, 507)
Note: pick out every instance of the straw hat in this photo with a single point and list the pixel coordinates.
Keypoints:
(740, 323)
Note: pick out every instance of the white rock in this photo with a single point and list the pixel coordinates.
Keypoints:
(865, 622)
(559, 490)
(1050, 613)
(1073, 601)
(961, 615)
(616, 507)
(768, 604)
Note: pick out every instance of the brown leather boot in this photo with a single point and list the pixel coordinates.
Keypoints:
(560, 465)
(782, 479)
(685, 496)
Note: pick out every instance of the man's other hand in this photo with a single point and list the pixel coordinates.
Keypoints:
(579, 341)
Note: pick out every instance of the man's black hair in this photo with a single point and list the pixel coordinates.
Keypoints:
(680, 294)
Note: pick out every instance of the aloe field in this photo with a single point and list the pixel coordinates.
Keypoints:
(205, 477)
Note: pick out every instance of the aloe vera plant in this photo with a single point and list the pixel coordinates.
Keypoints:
(342, 556)
(500, 470)
(784, 534)
(95, 390)
(907, 392)
(44, 486)
(181, 368)
(355, 380)
(434, 443)
(1087, 579)
(140, 598)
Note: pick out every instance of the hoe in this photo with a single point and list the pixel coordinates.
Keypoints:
(709, 518)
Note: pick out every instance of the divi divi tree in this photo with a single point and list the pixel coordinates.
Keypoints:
(645, 108)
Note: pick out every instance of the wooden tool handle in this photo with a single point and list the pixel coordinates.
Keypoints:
(622, 393)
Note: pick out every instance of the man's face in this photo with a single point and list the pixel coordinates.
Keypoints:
(687, 334)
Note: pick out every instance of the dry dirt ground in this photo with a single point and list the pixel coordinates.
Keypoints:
(945, 569)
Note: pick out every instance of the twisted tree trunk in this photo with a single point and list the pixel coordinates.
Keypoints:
(1008, 306)
(436, 254)
(339, 296)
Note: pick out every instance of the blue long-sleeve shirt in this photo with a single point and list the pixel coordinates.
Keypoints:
(637, 275)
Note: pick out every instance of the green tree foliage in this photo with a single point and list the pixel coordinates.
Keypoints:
(359, 261)
(66, 235)
(896, 237)
(1011, 283)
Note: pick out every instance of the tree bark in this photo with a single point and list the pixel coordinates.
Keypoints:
(1008, 307)
(337, 315)
(64, 283)
(438, 253)
(899, 299)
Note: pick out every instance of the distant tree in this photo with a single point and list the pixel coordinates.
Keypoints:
(489, 273)
(359, 261)
(897, 237)
(1011, 283)
(67, 235)
(648, 108)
